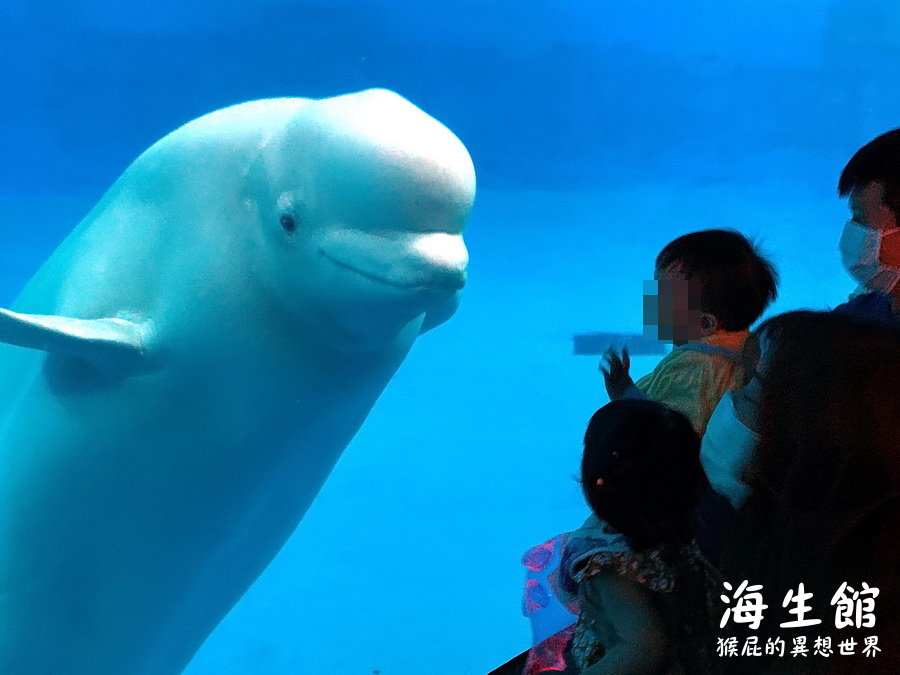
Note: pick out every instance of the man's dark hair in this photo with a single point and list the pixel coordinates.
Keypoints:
(736, 282)
(878, 161)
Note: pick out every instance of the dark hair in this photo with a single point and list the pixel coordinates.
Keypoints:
(649, 459)
(878, 161)
(825, 479)
(736, 281)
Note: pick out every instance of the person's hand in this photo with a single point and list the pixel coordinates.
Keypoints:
(615, 372)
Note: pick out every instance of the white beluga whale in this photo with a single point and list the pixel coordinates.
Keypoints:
(181, 375)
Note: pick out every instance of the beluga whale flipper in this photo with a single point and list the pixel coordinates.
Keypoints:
(181, 375)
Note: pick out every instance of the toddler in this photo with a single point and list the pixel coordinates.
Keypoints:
(711, 286)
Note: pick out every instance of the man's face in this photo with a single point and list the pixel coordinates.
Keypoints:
(868, 209)
(672, 307)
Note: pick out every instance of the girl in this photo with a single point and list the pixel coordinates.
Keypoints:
(644, 592)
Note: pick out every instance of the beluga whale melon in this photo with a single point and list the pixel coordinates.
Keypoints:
(181, 375)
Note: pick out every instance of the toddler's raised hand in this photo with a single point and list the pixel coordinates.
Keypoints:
(615, 372)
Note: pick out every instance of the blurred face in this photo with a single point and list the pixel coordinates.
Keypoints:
(868, 209)
(672, 308)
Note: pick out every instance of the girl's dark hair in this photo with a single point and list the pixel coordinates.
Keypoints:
(825, 479)
(736, 282)
(648, 458)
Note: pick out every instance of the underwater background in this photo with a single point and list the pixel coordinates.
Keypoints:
(600, 131)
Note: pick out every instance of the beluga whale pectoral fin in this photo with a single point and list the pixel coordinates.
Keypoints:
(114, 343)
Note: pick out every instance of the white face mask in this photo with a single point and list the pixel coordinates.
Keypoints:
(725, 450)
(860, 248)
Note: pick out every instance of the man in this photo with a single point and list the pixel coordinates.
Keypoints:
(870, 252)
(870, 242)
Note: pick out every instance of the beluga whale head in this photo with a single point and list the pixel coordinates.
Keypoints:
(362, 201)
(182, 374)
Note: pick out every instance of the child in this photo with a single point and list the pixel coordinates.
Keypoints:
(712, 285)
(642, 588)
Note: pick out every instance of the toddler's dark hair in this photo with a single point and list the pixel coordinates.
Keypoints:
(648, 457)
(736, 282)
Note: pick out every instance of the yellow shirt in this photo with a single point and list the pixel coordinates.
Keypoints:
(692, 381)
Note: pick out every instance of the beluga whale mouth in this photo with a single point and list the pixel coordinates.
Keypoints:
(432, 263)
(448, 283)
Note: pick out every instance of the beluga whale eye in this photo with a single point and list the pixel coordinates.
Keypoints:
(288, 223)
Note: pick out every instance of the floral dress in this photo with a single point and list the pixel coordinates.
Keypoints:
(684, 581)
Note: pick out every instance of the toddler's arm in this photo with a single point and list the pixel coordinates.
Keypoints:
(643, 645)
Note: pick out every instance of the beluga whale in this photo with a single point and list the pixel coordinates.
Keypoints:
(181, 375)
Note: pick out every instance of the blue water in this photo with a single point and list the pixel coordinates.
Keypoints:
(599, 132)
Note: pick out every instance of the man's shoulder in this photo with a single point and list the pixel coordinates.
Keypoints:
(872, 305)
